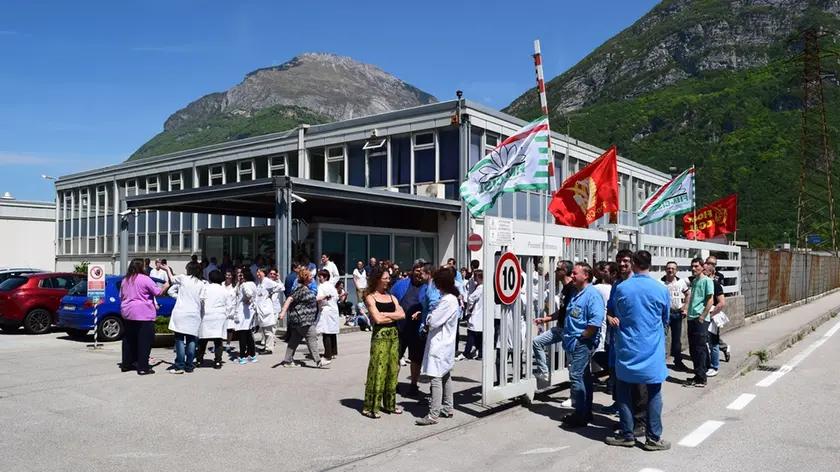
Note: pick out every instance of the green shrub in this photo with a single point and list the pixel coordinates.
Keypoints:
(81, 268)
(162, 325)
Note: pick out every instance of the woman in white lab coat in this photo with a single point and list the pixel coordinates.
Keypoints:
(266, 315)
(244, 316)
(442, 325)
(186, 317)
(328, 325)
(218, 306)
(475, 324)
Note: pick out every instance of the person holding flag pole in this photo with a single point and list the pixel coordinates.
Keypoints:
(551, 180)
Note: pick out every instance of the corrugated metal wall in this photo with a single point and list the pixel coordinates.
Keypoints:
(774, 278)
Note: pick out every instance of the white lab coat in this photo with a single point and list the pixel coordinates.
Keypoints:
(263, 304)
(604, 289)
(186, 316)
(333, 270)
(476, 301)
(328, 322)
(218, 306)
(243, 318)
(440, 343)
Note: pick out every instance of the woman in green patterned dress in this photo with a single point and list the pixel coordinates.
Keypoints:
(384, 367)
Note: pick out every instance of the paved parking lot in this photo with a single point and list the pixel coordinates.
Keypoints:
(65, 406)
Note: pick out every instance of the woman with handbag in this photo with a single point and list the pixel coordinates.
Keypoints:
(302, 307)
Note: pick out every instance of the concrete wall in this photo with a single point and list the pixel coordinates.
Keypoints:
(27, 234)
(773, 278)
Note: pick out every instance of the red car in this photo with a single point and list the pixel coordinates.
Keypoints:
(32, 300)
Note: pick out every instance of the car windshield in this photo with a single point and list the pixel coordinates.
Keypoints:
(78, 290)
(12, 283)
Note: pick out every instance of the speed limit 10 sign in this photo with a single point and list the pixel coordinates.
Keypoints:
(508, 278)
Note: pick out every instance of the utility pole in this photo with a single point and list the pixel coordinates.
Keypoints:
(816, 179)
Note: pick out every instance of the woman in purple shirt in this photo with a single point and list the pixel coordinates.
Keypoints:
(137, 306)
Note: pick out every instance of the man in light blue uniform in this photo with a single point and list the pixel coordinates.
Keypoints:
(643, 308)
(581, 333)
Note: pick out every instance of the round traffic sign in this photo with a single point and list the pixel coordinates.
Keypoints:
(96, 272)
(508, 278)
(474, 242)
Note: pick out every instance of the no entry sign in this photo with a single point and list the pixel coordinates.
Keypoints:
(508, 278)
(474, 242)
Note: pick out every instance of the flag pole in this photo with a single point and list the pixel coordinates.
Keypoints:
(694, 193)
(544, 108)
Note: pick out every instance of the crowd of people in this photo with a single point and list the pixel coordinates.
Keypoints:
(613, 314)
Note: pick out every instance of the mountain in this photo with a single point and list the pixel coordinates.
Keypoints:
(711, 83)
(312, 88)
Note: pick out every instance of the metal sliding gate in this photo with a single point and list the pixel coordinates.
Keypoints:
(509, 330)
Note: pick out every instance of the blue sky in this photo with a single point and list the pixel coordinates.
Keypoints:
(84, 84)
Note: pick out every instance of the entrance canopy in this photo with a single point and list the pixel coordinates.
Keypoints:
(258, 198)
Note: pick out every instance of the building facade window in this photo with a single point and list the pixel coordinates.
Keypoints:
(335, 165)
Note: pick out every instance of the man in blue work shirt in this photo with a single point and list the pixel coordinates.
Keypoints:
(581, 334)
(642, 306)
(290, 280)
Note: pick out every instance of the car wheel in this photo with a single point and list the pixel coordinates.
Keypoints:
(110, 328)
(10, 328)
(38, 321)
(77, 333)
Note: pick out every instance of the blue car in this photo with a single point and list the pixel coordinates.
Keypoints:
(75, 314)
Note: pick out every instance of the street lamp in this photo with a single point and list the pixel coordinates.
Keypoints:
(55, 240)
(48, 177)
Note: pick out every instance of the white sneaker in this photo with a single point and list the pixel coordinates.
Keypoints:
(324, 362)
(711, 372)
(460, 357)
(403, 362)
(567, 403)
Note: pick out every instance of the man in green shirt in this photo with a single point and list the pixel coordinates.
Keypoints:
(700, 304)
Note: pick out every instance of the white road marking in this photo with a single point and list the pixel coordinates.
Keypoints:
(770, 379)
(741, 402)
(544, 450)
(833, 330)
(700, 434)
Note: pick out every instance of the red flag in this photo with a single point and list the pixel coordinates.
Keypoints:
(588, 195)
(715, 219)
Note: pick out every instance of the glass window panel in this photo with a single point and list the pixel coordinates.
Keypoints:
(401, 160)
(109, 243)
(90, 223)
(425, 249)
(335, 152)
(215, 221)
(475, 147)
(491, 140)
(316, 163)
(378, 168)
(335, 172)
(153, 222)
(91, 245)
(141, 242)
(75, 228)
(262, 167)
(424, 139)
(494, 210)
(188, 221)
(449, 154)
(174, 241)
(243, 221)
(163, 218)
(110, 223)
(187, 242)
(333, 244)
(174, 221)
(100, 222)
(424, 166)
(536, 207)
(380, 246)
(521, 205)
(260, 221)
(356, 165)
(507, 205)
(404, 251)
(203, 221)
(163, 241)
(230, 221)
(61, 230)
(451, 191)
(293, 164)
(356, 250)
(132, 223)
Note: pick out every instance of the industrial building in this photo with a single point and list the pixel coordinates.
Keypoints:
(383, 186)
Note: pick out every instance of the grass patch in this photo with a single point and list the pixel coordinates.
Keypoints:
(762, 355)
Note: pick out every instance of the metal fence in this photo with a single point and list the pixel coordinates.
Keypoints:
(771, 278)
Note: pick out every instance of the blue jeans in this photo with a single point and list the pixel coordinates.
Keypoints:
(675, 324)
(580, 376)
(714, 349)
(180, 362)
(654, 410)
(552, 336)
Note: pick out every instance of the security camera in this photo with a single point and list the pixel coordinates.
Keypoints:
(298, 198)
(125, 213)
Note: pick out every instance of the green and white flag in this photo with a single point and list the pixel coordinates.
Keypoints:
(674, 198)
(520, 163)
